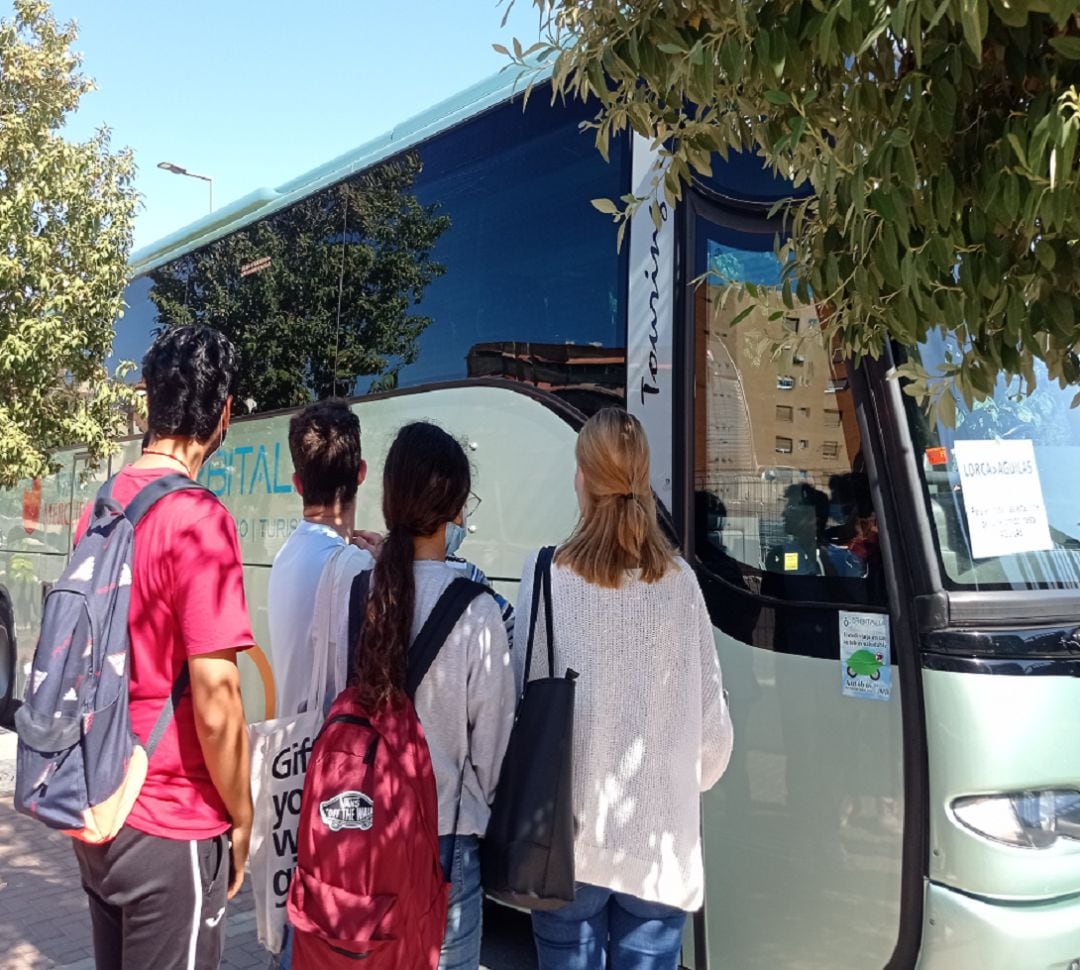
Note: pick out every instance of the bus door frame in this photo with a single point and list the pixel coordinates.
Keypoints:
(893, 477)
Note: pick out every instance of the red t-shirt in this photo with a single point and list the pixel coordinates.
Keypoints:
(187, 598)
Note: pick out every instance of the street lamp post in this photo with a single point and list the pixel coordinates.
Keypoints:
(179, 170)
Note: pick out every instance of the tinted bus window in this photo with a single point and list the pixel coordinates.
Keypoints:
(135, 329)
(782, 500)
(532, 288)
(476, 255)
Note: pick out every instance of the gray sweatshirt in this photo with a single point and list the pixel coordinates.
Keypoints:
(465, 703)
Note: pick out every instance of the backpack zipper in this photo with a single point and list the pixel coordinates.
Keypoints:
(369, 755)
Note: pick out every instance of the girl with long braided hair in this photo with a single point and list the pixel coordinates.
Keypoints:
(465, 703)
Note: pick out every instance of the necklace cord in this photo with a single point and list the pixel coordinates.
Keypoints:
(164, 454)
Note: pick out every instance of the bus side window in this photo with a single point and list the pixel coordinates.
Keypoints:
(782, 502)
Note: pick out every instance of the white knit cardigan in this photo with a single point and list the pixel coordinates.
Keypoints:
(652, 728)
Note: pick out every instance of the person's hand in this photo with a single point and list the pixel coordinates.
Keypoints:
(238, 856)
(368, 541)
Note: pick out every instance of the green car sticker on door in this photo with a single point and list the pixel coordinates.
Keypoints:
(865, 669)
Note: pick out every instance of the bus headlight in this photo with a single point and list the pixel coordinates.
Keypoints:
(1028, 819)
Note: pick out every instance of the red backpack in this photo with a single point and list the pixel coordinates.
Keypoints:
(368, 883)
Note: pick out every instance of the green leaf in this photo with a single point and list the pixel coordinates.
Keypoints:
(742, 315)
(1018, 148)
(605, 206)
(974, 17)
(947, 409)
(778, 97)
(1067, 47)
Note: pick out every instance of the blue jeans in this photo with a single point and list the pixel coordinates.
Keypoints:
(464, 922)
(284, 960)
(601, 928)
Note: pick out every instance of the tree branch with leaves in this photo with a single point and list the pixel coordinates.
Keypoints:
(938, 140)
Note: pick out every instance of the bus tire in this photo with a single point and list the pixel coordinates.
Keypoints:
(8, 702)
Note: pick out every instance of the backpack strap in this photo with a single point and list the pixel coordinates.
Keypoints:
(149, 494)
(136, 509)
(168, 711)
(442, 619)
(358, 594)
(452, 604)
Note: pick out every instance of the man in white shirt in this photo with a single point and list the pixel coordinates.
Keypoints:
(324, 440)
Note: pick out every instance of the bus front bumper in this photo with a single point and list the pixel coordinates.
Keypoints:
(964, 933)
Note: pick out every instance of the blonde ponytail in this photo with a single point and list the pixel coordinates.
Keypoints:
(617, 530)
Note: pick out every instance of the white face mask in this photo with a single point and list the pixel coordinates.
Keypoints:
(455, 535)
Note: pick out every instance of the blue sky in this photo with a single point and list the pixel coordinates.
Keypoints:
(255, 93)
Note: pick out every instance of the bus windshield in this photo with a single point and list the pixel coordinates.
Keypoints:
(1002, 485)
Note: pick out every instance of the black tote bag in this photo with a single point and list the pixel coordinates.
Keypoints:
(528, 852)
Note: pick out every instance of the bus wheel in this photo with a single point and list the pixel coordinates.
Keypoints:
(8, 704)
(876, 675)
(850, 672)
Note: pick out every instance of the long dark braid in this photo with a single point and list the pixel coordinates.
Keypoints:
(426, 482)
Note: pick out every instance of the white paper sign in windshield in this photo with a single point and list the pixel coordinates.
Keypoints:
(1003, 497)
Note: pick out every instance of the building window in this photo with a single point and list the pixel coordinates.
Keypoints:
(784, 413)
(803, 444)
(785, 383)
(832, 418)
(830, 449)
(783, 446)
(804, 414)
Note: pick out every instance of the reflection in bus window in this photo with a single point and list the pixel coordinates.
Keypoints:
(798, 520)
(474, 255)
(1046, 420)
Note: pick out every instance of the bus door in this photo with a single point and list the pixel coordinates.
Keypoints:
(803, 835)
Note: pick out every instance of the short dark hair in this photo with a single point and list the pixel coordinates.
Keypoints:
(324, 440)
(189, 374)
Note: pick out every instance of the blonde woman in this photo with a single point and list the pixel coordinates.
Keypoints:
(652, 728)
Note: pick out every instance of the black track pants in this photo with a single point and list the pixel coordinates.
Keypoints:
(156, 903)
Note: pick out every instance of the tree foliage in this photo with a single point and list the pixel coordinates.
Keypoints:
(66, 214)
(938, 137)
(319, 294)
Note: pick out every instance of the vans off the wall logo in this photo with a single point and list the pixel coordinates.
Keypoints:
(347, 810)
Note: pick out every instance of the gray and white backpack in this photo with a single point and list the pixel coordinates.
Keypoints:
(79, 765)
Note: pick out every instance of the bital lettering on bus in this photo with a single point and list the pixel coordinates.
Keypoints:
(651, 385)
(227, 473)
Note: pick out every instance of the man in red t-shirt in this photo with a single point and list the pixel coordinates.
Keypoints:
(158, 891)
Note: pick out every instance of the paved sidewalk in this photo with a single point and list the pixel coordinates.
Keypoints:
(44, 923)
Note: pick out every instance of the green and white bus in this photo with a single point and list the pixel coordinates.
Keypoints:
(897, 604)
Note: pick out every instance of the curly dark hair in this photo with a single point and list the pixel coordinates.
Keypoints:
(324, 440)
(426, 482)
(189, 373)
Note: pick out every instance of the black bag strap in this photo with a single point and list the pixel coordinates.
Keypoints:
(541, 584)
(149, 494)
(358, 595)
(453, 602)
(549, 620)
(168, 711)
